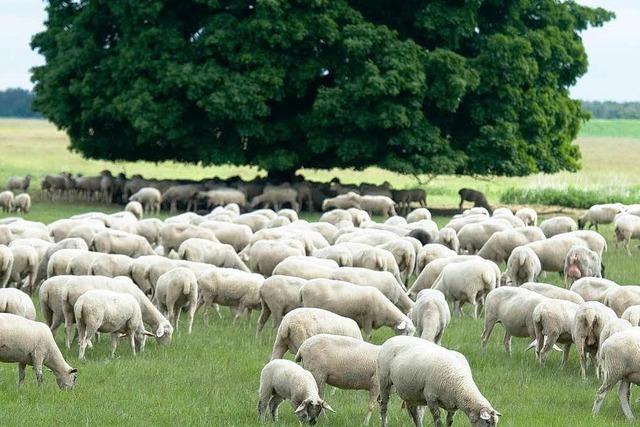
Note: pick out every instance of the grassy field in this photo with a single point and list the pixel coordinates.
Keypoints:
(211, 377)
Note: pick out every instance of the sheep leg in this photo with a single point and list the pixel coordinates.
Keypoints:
(21, 373)
(435, 412)
(601, 394)
(385, 390)
(192, 314)
(450, 415)
(565, 355)
(132, 341)
(68, 326)
(262, 320)
(56, 321)
(82, 338)
(506, 341)
(273, 406)
(417, 414)
(373, 397)
(456, 308)
(176, 315)
(546, 347)
(623, 395)
(489, 323)
(115, 337)
(37, 366)
(263, 402)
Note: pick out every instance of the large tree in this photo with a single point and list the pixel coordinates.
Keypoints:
(420, 86)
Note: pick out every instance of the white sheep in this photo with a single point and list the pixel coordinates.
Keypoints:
(528, 216)
(25, 266)
(337, 253)
(27, 342)
(430, 273)
(265, 255)
(100, 310)
(135, 208)
(335, 216)
(553, 251)
(306, 267)
(120, 242)
(431, 315)
(593, 239)
(236, 235)
(285, 380)
(502, 243)
(589, 320)
(405, 256)
(472, 237)
(16, 302)
(418, 214)
(6, 265)
(209, 252)
(632, 315)
(177, 289)
(302, 323)
(278, 296)
(6, 201)
(425, 374)
(557, 225)
(149, 197)
(592, 288)
(600, 214)
(627, 227)
(448, 237)
(553, 291)
(431, 252)
(619, 298)
(342, 362)
(22, 203)
(111, 265)
(553, 321)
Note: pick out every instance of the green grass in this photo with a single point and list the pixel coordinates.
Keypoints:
(615, 128)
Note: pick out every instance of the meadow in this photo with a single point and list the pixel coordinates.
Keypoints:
(211, 377)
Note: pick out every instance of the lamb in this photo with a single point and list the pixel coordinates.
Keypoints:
(229, 287)
(424, 373)
(302, 323)
(528, 216)
(449, 238)
(342, 362)
(278, 295)
(135, 208)
(6, 265)
(431, 252)
(552, 291)
(25, 265)
(19, 183)
(592, 288)
(627, 227)
(265, 255)
(364, 304)
(632, 315)
(418, 214)
(502, 243)
(582, 262)
(149, 197)
(100, 310)
(589, 320)
(209, 252)
(120, 242)
(306, 267)
(431, 315)
(16, 302)
(619, 298)
(177, 289)
(284, 380)
(467, 282)
(600, 214)
(553, 319)
(27, 342)
(6, 201)
(618, 360)
(22, 203)
(513, 307)
(557, 225)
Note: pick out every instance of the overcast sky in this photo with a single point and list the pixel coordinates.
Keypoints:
(613, 50)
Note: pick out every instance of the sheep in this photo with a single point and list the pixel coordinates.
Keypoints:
(336, 216)
(100, 310)
(22, 203)
(236, 235)
(502, 243)
(27, 342)
(377, 205)
(431, 315)
(278, 295)
(582, 262)
(120, 242)
(209, 252)
(553, 252)
(278, 221)
(135, 208)
(552, 291)
(593, 239)
(60, 229)
(59, 294)
(6, 201)
(612, 328)
(285, 380)
(468, 281)
(59, 261)
(364, 304)
(342, 362)
(358, 216)
(418, 214)
(619, 298)
(16, 302)
(449, 238)
(172, 235)
(632, 315)
(404, 198)
(382, 280)
(618, 359)
(81, 265)
(423, 373)
(149, 229)
(627, 227)
(473, 236)
(600, 214)
(592, 288)
(340, 254)
(19, 183)
(553, 322)
(477, 197)
(277, 198)
(502, 212)
(373, 258)
(252, 220)
(223, 196)
(6, 265)
(513, 307)
(25, 265)
(589, 320)
(86, 231)
(306, 267)
(149, 197)
(177, 289)
(70, 243)
(302, 323)
(265, 255)
(528, 216)
(342, 201)
(405, 256)
(229, 287)
(431, 252)
(458, 223)
(557, 225)
(111, 265)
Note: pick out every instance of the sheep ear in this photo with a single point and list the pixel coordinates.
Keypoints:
(73, 371)
(326, 406)
(149, 334)
(160, 332)
(498, 414)
(484, 414)
(402, 326)
(300, 408)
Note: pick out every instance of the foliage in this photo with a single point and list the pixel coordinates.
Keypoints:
(612, 109)
(16, 102)
(475, 87)
(572, 197)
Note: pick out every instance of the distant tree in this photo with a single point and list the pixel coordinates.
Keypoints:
(16, 102)
(426, 86)
(612, 110)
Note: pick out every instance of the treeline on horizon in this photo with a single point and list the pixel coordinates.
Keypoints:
(16, 102)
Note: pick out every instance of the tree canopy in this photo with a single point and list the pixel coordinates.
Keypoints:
(425, 86)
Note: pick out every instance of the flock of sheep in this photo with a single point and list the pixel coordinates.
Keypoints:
(327, 285)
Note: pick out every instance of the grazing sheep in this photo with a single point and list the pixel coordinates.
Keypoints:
(449, 238)
(553, 291)
(618, 361)
(223, 196)
(431, 252)
(340, 254)
(17, 183)
(177, 289)
(473, 237)
(592, 288)
(502, 243)
(364, 304)
(100, 310)
(377, 205)
(6, 201)
(593, 239)
(425, 374)
(431, 315)
(277, 198)
(467, 282)
(306, 267)
(22, 203)
(120, 242)
(278, 295)
(478, 198)
(149, 229)
(27, 342)
(627, 227)
(302, 323)
(513, 307)
(528, 216)
(600, 214)
(619, 298)
(418, 214)
(135, 208)
(285, 380)
(373, 258)
(6, 265)
(149, 197)
(553, 322)
(342, 362)
(589, 320)
(111, 265)
(553, 252)
(172, 235)
(71, 243)
(237, 235)
(557, 225)
(336, 216)
(16, 302)
(209, 252)
(86, 231)
(405, 256)
(582, 262)
(265, 255)
(632, 315)
(25, 265)
(342, 201)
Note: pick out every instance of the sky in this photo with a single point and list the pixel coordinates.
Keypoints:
(613, 50)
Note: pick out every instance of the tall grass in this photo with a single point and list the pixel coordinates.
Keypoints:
(570, 196)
